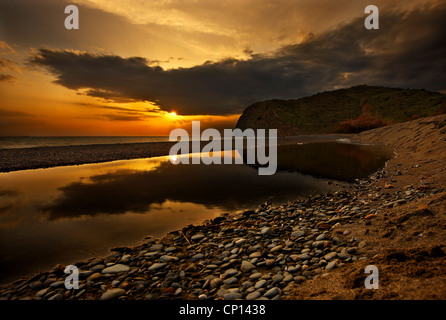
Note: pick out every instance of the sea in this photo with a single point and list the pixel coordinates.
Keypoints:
(50, 141)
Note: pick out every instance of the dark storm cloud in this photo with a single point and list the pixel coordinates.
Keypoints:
(407, 51)
(7, 77)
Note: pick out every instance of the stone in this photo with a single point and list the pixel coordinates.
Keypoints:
(260, 284)
(240, 242)
(278, 278)
(229, 281)
(266, 230)
(157, 266)
(255, 276)
(97, 268)
(112, 294)
(276, 248)
(256, 254)
(330, 256)
(197, 237)
(35, 285)
(231, 272)
(155, 247)
(214, 283)
(299, 279)
(321, 237)
(94, 276)
(304, 256)
(178, 291)
(318, 244)
(116, 269)
(246, 266)
(271, 293)
(333, 264)
(85, 273)
(115, 283)
(297, 234)
(167, 258)
(57, 284)
(343, 256)
(57, 296)
(42, 292)
(253, 295)
(269, 262)
(232, 296)
(288, 278)
(197, 256)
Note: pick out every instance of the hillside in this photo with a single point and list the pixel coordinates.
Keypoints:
(323, 112)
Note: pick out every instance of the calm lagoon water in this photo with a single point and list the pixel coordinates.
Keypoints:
(67, 214)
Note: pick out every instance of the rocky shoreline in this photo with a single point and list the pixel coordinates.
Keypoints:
(312, 248)
(258, 254)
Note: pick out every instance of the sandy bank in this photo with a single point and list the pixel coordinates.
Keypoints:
(406, 241)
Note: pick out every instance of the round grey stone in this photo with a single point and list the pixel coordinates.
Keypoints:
(271, 293)
(232, 296)
(116, 269)
(253, 295)
(246, 266)
(112, 294)
(157, 266)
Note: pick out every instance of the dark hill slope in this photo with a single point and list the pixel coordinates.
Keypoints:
(322, 113)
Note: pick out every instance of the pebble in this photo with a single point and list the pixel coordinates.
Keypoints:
(166, 258)
(246, 266)
(197, 237)
(271, 293)
(297, 234)
(266, 231)
(157, 266)
(255, 276)
(116, 269)
(330, 256)
(232, 296)
(253, 295)
(155, 247)
(231, 272)
(331, 265)
(35, 285)
(42, 292)
(230, 281)
(112, 294)
(57, 296)
(260, 284)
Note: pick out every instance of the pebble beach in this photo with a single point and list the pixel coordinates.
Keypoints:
(281, 251)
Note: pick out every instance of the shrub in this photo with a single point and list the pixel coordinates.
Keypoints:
(362, 123)
(441, 109)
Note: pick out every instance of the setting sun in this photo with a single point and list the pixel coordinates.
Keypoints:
(173, 113)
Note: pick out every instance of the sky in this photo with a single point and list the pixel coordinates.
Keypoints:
(145, 67)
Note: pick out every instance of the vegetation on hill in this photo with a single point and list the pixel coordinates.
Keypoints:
(349, 110)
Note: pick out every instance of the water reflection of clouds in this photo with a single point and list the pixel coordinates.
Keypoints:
(55, 215)
(118, 191)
